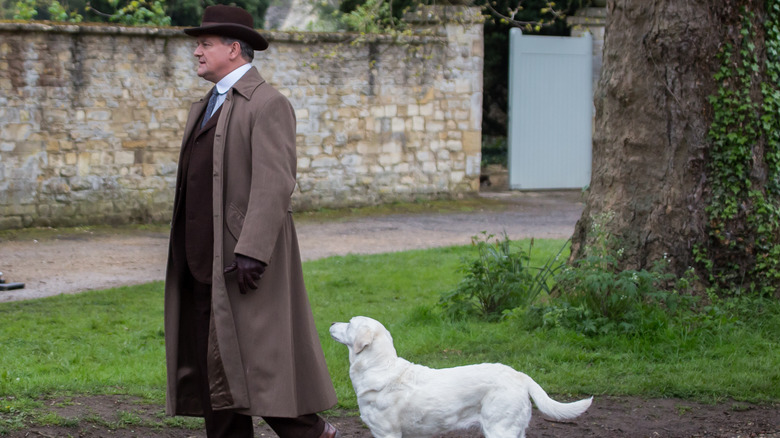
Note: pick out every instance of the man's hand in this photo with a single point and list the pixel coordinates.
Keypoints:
(249, 272)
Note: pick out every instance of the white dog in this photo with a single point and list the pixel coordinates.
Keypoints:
(400, 399)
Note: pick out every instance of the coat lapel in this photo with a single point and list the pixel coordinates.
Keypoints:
(196, 109)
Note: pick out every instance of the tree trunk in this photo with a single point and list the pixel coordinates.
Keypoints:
(651, 180)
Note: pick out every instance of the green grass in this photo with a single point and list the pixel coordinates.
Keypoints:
(111, 342)
(98, 341)
(420, 206)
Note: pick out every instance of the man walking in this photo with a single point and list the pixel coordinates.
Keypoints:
(239, 332)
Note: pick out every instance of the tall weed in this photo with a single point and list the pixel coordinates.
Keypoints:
(594, 296)
(499, 279)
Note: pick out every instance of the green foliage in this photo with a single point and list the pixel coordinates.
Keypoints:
(742, 255)
(364, 16)
(594, 296)
(499, 279)
(598, 299)
(57, 12)
(373, 16)
(140, 13)
(189, 12)
(25, 10)
(135, 12)
(128, 12)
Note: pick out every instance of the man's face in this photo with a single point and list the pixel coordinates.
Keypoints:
(214, 58)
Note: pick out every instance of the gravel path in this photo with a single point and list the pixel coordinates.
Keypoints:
(76, 262)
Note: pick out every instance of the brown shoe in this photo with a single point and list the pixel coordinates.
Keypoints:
(330, 431)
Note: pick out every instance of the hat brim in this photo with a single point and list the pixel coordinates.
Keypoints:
(237, 31)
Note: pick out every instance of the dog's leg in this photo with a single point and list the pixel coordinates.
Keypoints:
(379, 432)
(505, 415)
(391, 435)
(383, 427)
(508, 428)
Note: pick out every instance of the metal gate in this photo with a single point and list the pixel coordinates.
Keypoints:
(550, 111)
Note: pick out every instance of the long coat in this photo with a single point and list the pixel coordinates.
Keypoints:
(265, 357)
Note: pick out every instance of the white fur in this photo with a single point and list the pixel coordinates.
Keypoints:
(400, 399)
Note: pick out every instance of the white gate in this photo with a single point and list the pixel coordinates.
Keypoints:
(550, 111)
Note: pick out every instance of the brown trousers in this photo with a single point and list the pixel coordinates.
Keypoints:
(222, 423)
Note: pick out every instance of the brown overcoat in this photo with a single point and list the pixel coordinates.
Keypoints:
(265, 357)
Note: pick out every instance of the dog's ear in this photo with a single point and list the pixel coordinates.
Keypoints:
(363, 339)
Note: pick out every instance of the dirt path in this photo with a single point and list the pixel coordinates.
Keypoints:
(75, 262)
(609, 417)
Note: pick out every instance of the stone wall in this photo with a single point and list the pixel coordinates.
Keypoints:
(593, 20)
(91, 116)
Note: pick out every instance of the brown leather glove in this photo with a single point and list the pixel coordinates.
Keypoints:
(249, 272)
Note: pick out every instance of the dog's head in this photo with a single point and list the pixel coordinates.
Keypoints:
(362, 335)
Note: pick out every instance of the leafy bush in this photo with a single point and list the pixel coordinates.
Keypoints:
(497, 280)
(57, 12)
(140, 13)
(593, 296)
(25, 10)
(596, 298)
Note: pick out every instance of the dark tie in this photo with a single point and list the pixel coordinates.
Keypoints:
(210, 107)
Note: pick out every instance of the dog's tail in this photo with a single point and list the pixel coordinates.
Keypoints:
(553, 409)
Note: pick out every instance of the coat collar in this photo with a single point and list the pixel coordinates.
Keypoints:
(244, 86)
(248, 83)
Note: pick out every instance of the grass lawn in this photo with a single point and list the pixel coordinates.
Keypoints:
(112, 341)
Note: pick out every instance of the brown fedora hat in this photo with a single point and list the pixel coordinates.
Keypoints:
(229, 21)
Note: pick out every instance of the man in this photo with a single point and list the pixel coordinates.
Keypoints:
(239, 332)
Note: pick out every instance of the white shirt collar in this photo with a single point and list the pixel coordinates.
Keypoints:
(228, 81)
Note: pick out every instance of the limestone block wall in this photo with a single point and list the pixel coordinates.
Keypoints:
(91, 117)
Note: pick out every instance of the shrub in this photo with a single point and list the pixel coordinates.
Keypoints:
(593, 296)
(497, 280)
